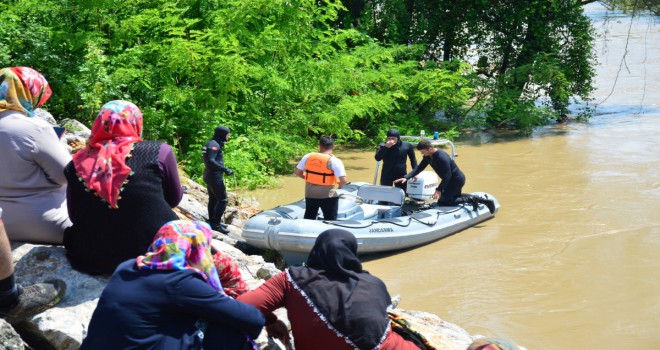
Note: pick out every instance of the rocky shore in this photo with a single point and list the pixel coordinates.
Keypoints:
(64, 326)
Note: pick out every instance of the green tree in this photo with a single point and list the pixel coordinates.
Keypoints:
(278, 73)
(634, 6)
(523, 51)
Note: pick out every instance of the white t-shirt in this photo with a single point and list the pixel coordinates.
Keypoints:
(321, 191)
(335, 164)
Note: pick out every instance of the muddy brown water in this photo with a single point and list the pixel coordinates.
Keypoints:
(572, 260)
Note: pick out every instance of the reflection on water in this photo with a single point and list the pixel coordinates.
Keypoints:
(571, 260)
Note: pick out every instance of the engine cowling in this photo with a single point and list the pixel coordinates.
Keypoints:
(424, 187)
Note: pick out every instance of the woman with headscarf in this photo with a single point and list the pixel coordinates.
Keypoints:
(332, 302)
(32, 185)
(171, 298)
(121, 190)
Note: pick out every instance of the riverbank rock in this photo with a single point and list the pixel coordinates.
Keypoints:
(195, 197)
(9, 339)
(64, 326)
(441, 334)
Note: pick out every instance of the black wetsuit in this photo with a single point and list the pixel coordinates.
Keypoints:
(394, 162)
(452, 177)
(214, 169)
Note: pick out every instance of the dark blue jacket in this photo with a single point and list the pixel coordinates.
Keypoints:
(212, 153)
(158, 309)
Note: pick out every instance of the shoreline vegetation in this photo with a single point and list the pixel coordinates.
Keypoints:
(280, 74)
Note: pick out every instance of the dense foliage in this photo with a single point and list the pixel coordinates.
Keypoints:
(532, 56)
(281, 73)
(635, 6)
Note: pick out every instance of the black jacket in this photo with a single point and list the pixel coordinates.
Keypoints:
(101, 238)
(212, 152)
(443, 165)
(394, 159)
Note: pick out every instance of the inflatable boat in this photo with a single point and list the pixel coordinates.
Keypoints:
(382, 219)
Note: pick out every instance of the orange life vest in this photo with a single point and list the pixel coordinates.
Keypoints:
(317, 172)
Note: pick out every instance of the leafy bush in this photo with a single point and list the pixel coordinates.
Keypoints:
(281, 73)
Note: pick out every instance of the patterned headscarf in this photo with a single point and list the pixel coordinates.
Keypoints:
(22, 89)
(102, 164)
(230, 275)
(180, 245)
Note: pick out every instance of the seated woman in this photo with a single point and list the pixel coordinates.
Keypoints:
(121, 190)
(167, 297)
(332, 303)
(32, 185)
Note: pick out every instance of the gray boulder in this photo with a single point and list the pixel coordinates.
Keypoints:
(9, 339)
(64, 326)
(75, 129)
(45, 115)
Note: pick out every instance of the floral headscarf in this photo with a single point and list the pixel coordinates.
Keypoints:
(180, 245)
(230, 275)
(102, 164)
(22, 89)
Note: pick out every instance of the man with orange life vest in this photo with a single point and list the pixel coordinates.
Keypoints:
(321, 171)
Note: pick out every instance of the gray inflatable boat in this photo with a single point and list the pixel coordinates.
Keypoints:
(380, 217)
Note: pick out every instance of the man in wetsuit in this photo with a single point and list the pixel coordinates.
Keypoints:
(393, 152)
(321, 171)
(214, 169)
(449, 192)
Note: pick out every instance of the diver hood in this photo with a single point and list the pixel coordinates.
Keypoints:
(220, 135)
(394, 133)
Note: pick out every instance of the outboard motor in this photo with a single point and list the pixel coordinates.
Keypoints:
(424, 187)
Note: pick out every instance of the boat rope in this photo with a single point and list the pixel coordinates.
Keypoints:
(348, 226)
(410, 219)
(409, 216)
(460, 206)
(437, 217)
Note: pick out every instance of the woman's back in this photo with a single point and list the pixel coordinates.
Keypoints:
(331, 302)
(22, 141)
(101, 237)
(172, 298)
(310, 331)
(32, 158)
(148, 316)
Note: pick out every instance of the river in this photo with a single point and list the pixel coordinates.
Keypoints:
(572, 259)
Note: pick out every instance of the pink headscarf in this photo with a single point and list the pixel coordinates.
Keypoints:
(102, 164)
